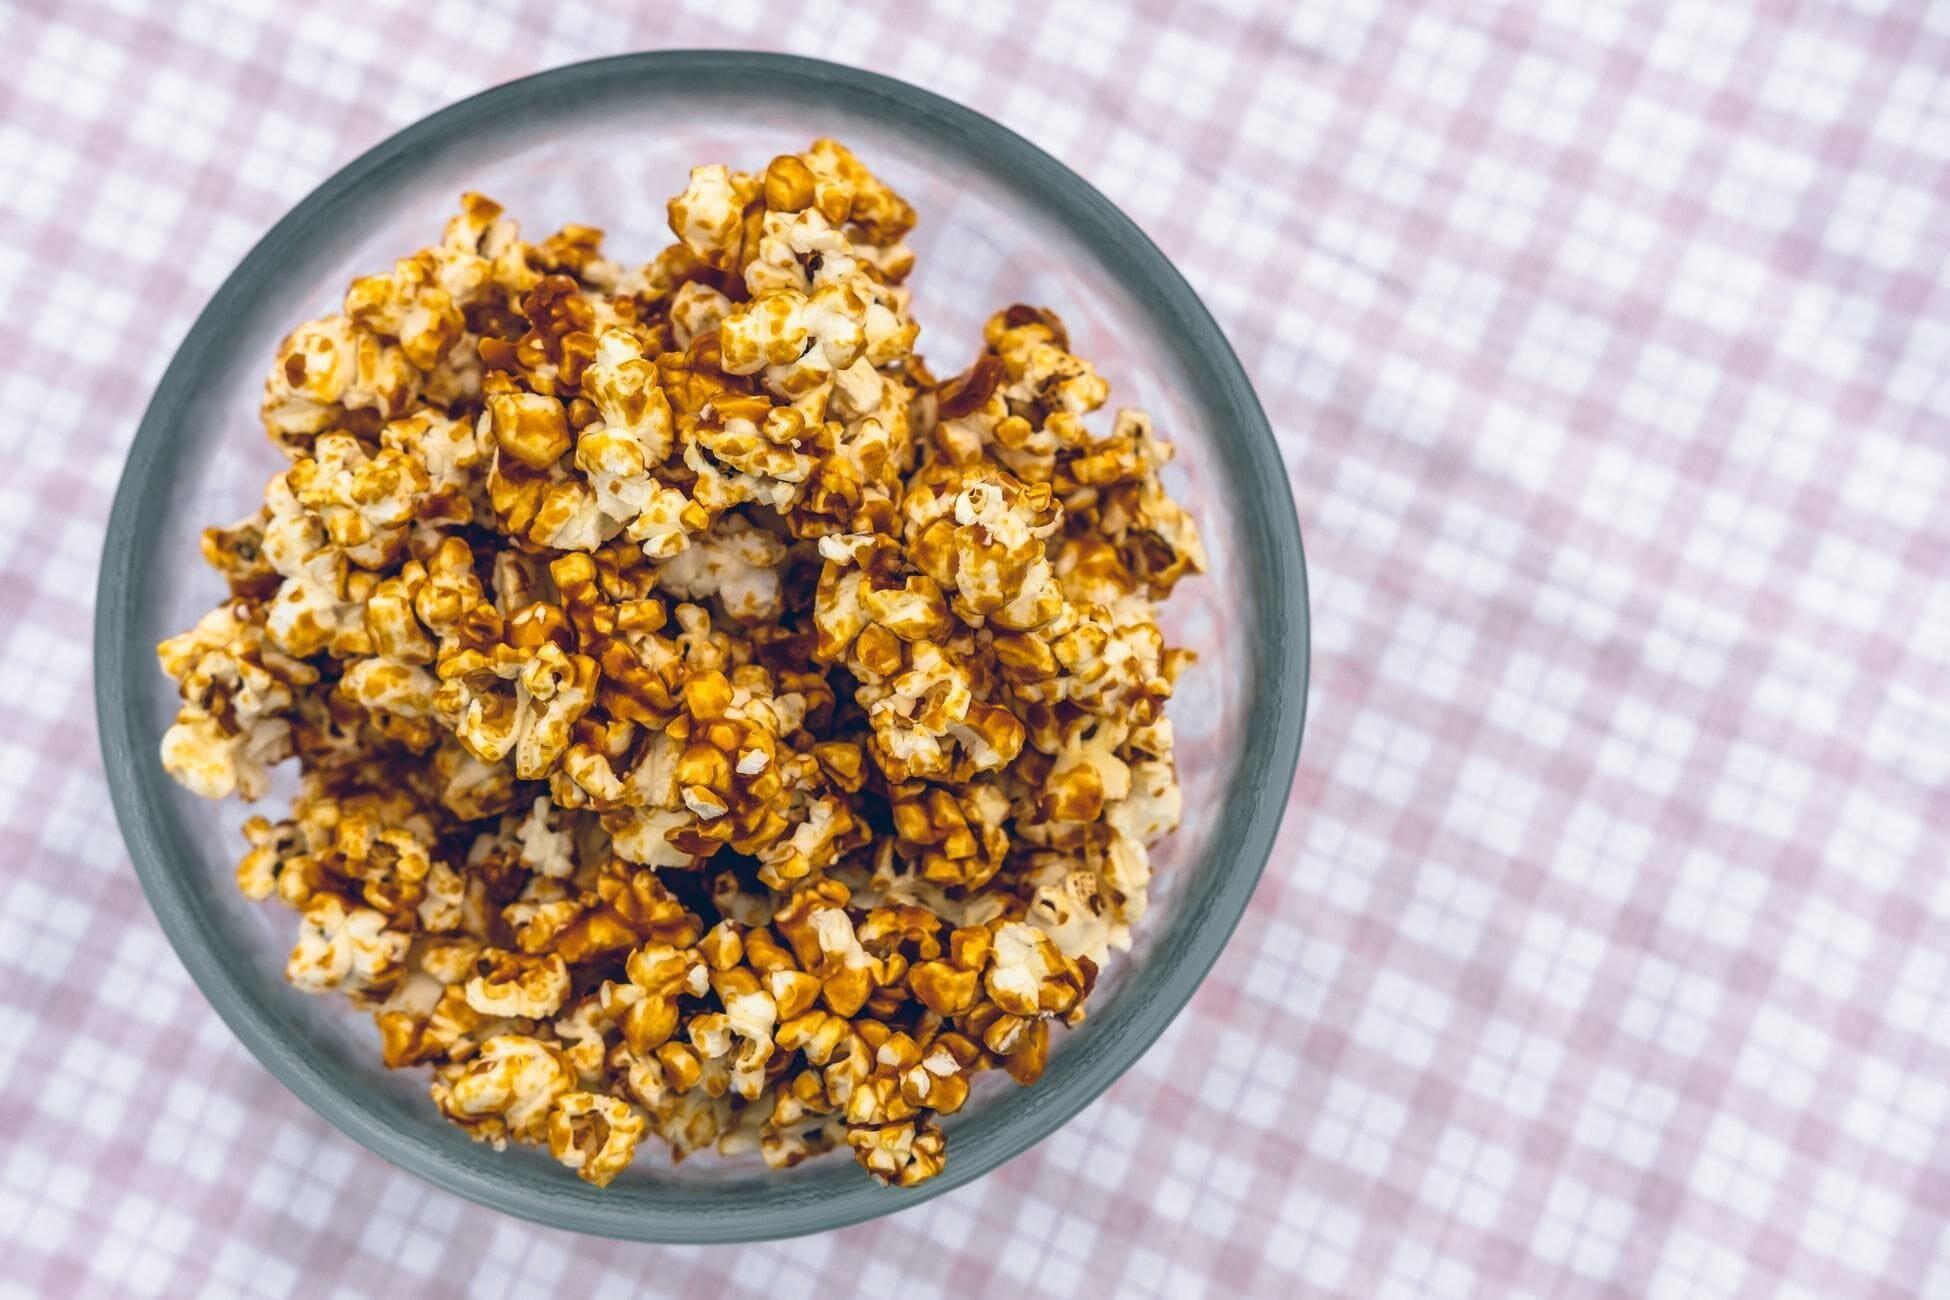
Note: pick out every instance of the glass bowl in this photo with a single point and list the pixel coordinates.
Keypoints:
(605, 143)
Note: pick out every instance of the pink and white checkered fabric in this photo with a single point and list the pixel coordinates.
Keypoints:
(1606, 950)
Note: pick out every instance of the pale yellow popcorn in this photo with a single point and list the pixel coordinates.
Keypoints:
(594, 1135)
(216, 763)
(1030, 976)
(382, 685)
(509, 1089)
(1152, 808)
(546, 848)
(363, 502)
(515, 984)
(449, 453)
(634, 435)
(346, 948)
(782, 328)
(665, 522)
(735, 562)
(1071, 911)
(708, 217)
(236, 691)
(410, 306)
(439, 911)
(696, 308)
(316, 609)
(319, 604)
(327, 368)
(585, 1030)
(1148, 813)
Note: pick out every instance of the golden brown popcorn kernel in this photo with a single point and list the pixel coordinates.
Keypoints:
(944, 988)
(329, 372)
(881, 215)
(902, 1154)
(508, 1090)
(632, 907)
(530, 427)
(1029, 976)
(411, 306)
(789, 184)
(518, 984)
(237, 552)
(348, 948)
(708, 217)
(239, 694)
(793, 992)
(1030, 1058)
(886, 929)
(645, 1009)
(764, 953)
(723, 947)
(594, 1135)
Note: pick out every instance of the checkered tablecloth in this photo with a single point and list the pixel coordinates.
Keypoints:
(1606, 949)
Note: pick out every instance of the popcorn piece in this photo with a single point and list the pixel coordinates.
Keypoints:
(901, 1154)
(545, 848)
(517, 985)
(708, 217)
(448, 454)
(1030, 976)
(329, 371)
(735, 562)
(237, 688)
(347, 948)
(410, 306)
(750, 1014)
(509, 1090)
(815, 923)
(1072, 912)
(594, 1135)
(646, 1008)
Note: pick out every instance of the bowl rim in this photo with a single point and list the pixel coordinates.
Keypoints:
(128, 750)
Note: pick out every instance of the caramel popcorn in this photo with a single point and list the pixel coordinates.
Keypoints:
(708, 725)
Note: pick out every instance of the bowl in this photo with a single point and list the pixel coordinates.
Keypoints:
(605, 142)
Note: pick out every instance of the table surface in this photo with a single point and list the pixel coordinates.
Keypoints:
(1606, 947)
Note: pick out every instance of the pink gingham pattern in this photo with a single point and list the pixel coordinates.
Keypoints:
(1606, 948)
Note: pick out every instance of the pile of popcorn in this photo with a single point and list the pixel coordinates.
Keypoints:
(708, 723)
